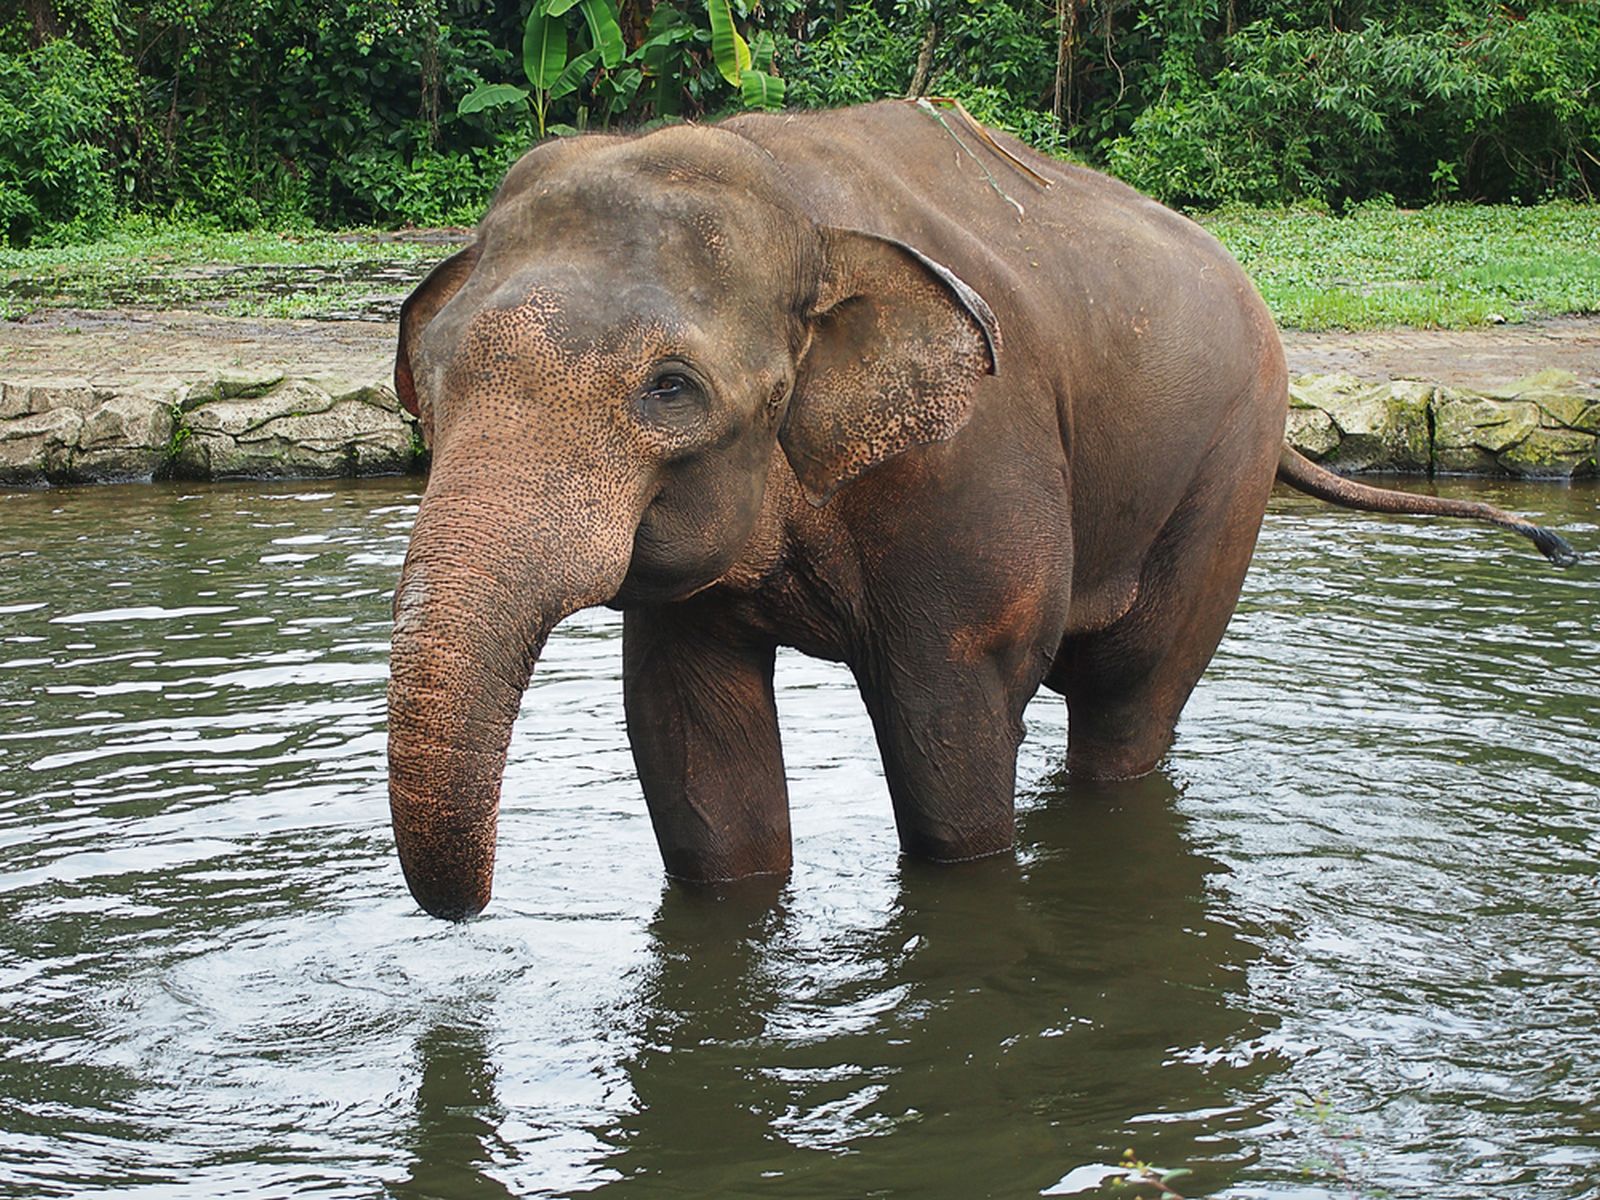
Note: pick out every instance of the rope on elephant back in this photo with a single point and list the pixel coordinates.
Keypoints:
(931, 106)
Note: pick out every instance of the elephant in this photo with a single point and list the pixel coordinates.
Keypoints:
(876, 384)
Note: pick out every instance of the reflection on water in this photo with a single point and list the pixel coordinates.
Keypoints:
(455, 1134)
(992, 1012)
(1343, 943)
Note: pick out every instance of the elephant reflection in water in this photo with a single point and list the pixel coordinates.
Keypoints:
(1007, 1029)
(458, 1116)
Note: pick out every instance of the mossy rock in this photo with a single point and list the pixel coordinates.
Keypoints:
(294, 430)
(126, 437)
(1551, 454)
(235, 385)
(1380, 427)
(1311, 431)
(39, 446)
(1466, 419)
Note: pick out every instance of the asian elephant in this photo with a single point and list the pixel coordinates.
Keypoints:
(875, 384)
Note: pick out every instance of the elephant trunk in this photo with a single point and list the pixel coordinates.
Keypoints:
(477, 598)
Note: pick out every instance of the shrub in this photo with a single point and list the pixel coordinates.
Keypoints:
(1507, 110)
(53, 111)
(284, 112)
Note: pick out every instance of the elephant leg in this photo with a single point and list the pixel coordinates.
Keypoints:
(704, 731)
(1125, 685)
(948, 736)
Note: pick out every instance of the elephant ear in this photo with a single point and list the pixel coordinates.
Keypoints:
(898, 345)
(432, 294)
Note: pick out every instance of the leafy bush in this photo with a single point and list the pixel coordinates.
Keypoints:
(852, 61)
(53, 113)
(1510, 110)
(289, 112)
(430, 187)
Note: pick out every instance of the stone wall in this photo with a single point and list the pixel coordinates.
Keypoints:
(231, 427)
(1543, 426)
(252, 427)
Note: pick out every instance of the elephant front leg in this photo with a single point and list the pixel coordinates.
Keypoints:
(948, 735)
(704, 731)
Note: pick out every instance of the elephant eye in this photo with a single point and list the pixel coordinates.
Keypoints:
(672, 398)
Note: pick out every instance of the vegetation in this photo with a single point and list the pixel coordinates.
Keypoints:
(295, 113)
(1372, 267)
(140, 263)
(1446, 265)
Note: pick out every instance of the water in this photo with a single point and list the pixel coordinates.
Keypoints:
(1344, 944)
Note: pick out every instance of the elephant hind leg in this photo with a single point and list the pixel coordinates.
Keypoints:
(1126, 684)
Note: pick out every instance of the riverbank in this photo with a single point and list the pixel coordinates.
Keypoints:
(92, 395)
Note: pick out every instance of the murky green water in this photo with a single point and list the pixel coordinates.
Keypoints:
(1347, 942)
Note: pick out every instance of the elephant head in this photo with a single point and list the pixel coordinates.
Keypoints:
(603, 376)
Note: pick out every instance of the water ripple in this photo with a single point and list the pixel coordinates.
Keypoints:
(1343, 943)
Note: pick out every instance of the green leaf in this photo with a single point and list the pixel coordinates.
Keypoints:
(663, 57)
(761, 90)
(490, 95)
(762, 51)
(558, 8)
(618, 90)
(653, 51)
(728, 49)
(544, 48)
(604, 30)
(572, 77)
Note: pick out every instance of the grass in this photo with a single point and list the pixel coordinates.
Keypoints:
(1448, 266)
(1452, 266)
(258, 273)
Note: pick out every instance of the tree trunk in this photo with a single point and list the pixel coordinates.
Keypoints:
(919, 77)
(42, 16)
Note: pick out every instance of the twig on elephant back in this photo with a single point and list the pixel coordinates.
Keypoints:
(932, 104)
(952, 102)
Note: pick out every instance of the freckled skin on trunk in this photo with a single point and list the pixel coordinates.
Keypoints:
(444, 786)
(964, 418)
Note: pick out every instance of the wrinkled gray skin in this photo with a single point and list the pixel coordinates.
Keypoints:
(817, 381)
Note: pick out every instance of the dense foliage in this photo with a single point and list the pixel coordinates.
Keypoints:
(292, 112)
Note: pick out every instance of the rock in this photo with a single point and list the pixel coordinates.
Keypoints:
(236, 426)
(294, 429)
(1551, 454)
(1469, 430)
(38, 446)
(380, 395)
(1311, 431)
(255, 425)
(1540, 426)
(126, 437)
(234, 385)
(1547, 385)
(20, 399)
(78, 397)
(1381, 427)
(13, 400)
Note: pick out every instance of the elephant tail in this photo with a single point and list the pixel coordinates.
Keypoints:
(1300, 473)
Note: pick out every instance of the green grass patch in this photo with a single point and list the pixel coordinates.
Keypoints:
(1449, 266)
(150, 242)
(259, 273)
(1376, 267)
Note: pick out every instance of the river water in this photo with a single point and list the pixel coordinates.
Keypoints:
(1345, 943)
